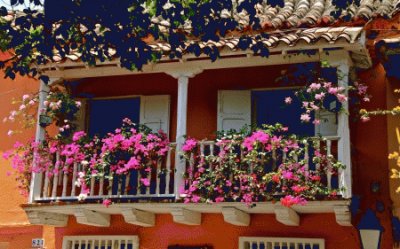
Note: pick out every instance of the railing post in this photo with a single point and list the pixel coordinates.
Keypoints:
(183, 86)
(342, 62)
(36, 181)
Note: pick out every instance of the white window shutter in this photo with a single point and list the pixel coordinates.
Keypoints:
(234, 109)
(328, 123)
(154, 112)
(81, 116)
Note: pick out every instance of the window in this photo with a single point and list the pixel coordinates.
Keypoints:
(105, 115)
(280, 243)
(245, 107)
(101, 242)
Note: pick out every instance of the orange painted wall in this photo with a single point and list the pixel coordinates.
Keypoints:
(14, 225)
(369, 153)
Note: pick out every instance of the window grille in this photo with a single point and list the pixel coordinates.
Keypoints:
(280, 243)
(101, 242)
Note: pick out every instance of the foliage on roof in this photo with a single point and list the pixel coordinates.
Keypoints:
(101, 30)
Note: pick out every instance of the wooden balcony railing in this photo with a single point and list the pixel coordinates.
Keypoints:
(327, 146)
(61, 186)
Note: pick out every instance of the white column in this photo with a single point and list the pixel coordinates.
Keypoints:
(36, 181)
(342, 62)
(344, 150)
(183, 86)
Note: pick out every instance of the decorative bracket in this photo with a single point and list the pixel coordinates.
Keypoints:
(343, 215)
(187, 217)
(138, 217)
(92, 218)
(46, 218)
(286, 216)
(235, 216)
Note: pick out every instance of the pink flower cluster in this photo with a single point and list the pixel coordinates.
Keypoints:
(238, 172)
(319, 95)
(126, 149)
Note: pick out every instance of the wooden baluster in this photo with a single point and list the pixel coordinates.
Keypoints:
(65, 180)
(306, 157)
(119, 184)
(148, 176)
(110, 182)
(328, 170)
(191, 167)
(92, 183)
(158, 175)
(202, 156)
(139, 183)
(127, 182)
(212, 149)
(274, 159)
(101, 185)
(318, 148)
(74, 173)
(46, 184)
(168, 171)
(55, 176)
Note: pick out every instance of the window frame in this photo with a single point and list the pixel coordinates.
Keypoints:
(113, 238)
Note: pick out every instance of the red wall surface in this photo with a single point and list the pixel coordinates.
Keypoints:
(369, 158)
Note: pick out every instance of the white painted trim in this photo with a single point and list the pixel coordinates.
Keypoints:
(286, 216)
(343, 64)
(235, 216)
(194, 65)
(92, 218)
(47, 218)
(279, 242)
(196, 209)
(183, 86)
(138, 217)
(185, 216)
(112, 240)
(36, 181)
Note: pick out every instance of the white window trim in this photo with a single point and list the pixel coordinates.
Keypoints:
(317, 128)
(247, 242)
(70, 241)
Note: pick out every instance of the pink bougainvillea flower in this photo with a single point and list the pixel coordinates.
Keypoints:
(290, 200)
(305, 117)
(288, 100)
(365, 119)
(107, 203)
(316, 121)
(189, 145)
(145, 182)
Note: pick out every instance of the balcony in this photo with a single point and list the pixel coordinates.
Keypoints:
(55, 197)
(172, 177)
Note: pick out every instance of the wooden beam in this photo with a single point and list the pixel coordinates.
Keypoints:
(194, 65)
(286, 216)
(47, 218)
(235, 216)
(187, 217)
(138, 217)
(343, 215)
(92, 218)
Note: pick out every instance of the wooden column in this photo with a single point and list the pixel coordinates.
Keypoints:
(183, 86)
(341, 60)
(36, 181)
